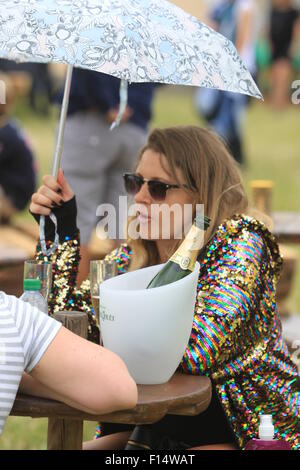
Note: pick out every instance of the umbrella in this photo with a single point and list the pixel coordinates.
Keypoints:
(134, 40)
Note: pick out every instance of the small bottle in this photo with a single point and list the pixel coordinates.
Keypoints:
(33, 296)
(266, 439)
(184, 259)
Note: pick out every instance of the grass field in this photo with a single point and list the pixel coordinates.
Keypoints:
(273, 152)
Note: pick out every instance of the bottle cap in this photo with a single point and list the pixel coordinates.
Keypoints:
(32, 284)
(266, 428)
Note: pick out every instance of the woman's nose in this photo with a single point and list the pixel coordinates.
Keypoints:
(143, 195)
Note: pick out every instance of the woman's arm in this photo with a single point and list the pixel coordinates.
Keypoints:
(58, 197)
(238, 283)
(244, 31)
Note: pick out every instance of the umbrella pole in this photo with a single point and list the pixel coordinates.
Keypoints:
(56, 164)
(62, 122)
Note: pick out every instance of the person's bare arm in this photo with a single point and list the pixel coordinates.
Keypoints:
(295, 44)
(83, 375)
(31, 386)
(244, 29)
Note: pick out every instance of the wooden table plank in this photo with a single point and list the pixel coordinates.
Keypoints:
(183, 394)
(11, 237)
(12, 256)
(287, 226)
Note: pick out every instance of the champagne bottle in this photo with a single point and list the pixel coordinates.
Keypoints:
(184, 259)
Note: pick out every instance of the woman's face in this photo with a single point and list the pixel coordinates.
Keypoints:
(162, 219)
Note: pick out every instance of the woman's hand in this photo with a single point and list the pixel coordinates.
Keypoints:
(53, 193)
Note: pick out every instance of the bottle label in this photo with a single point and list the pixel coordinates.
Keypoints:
(185, 262)
(187, 253)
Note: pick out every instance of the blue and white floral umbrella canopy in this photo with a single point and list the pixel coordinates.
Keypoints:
(135, 40)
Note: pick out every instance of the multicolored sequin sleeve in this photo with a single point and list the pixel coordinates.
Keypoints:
(236, 336)
(64, 294)
(238, 269)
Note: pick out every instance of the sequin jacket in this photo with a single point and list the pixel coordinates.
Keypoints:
(236, 335)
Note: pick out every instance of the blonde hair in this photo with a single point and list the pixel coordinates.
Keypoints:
(207, 168)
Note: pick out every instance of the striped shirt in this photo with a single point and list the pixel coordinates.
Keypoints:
(25, 334)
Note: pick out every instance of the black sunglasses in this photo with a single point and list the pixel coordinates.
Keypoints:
(157, 189)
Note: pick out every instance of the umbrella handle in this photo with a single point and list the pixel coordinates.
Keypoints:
(62, 122)
(56, 163)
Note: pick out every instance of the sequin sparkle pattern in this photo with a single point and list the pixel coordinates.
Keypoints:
(64, 294)
(236, 336)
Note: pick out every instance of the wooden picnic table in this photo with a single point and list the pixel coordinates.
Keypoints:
(287, 226)
(183, 395)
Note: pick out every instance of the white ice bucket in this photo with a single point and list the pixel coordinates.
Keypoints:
(148, 328)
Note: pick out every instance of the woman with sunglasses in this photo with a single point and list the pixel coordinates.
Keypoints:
(236, 335)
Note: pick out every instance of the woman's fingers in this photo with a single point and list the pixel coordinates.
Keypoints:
(38, 209)
(40, 203)
(51, 194)
(67, 192)
(51, 183)
(54, 197)
(40, 199)
(44, 200)
(59, 186)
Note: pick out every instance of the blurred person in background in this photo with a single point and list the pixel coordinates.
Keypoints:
(94, 158)
(225, 111)
(17, 169)
(40, 95)
(41, 84)
(284, 36)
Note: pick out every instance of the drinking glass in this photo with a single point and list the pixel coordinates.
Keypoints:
(100, 270)
(43, 271)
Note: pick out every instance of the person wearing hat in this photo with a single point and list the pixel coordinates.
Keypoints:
(17, 164)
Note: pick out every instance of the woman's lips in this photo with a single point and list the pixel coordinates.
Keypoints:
(144, 219)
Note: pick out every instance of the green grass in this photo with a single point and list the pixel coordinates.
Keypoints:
(31, 434)
(272, 143)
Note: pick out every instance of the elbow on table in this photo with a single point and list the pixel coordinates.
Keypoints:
(119, 389)
(127, 394)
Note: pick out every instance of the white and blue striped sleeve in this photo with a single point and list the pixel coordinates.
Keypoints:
(36, 329)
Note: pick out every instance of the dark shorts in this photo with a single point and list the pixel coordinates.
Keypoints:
(209, 427)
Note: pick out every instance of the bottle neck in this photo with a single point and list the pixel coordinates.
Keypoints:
(187, 253)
